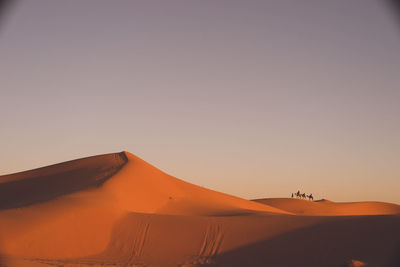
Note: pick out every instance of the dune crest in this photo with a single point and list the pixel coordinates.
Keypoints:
(329, 208)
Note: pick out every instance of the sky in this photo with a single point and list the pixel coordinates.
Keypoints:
(253, 98)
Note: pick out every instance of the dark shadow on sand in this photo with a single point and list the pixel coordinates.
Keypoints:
(47, 183)
(374, 240)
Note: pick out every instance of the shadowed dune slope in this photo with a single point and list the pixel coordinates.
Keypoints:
(43, 184)
(341, 242)
(329, 208)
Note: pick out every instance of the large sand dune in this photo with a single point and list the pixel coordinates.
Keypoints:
(118, 210)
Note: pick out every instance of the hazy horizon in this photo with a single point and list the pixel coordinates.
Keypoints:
(255, 99)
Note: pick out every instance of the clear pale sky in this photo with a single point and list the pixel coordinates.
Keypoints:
(252, 98)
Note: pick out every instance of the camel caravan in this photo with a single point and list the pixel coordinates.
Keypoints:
(302, 196)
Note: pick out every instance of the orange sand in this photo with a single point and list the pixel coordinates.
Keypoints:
(118, 210)
(329, 208)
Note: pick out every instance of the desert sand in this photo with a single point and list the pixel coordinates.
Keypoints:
(118, 210)
(329, 208)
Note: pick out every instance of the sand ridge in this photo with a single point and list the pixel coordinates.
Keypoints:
(330, 208)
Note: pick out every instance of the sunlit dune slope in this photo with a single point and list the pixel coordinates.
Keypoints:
(73, 206)
(140, 187)
(329, 208)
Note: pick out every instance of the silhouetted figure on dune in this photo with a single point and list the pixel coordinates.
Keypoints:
(302, 195)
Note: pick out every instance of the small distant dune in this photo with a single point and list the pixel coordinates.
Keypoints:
(330, 208)
(355, 263)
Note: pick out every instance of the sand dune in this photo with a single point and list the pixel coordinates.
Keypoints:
(118, 210)
(81, 210)
(140, 187)
(330, 208)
